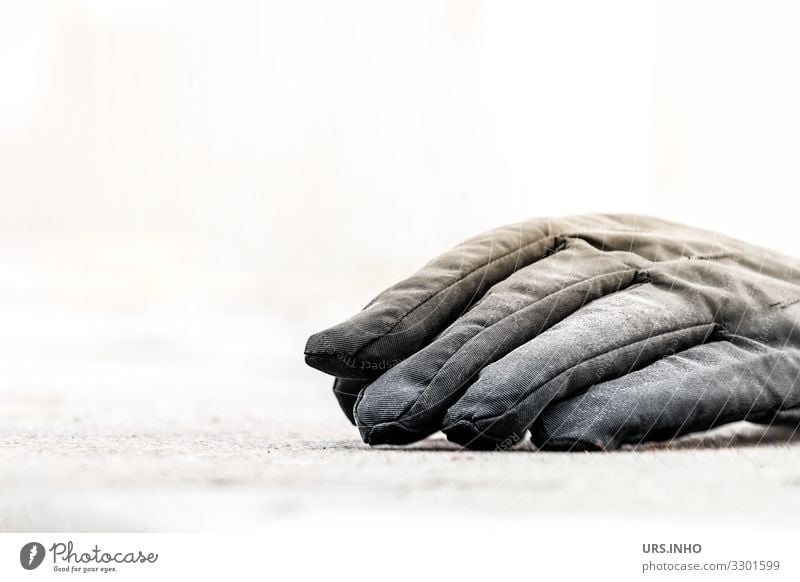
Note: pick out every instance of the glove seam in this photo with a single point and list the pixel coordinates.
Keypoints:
(712, 257)
(785, 304)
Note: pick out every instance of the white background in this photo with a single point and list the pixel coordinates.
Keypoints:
(326, 134)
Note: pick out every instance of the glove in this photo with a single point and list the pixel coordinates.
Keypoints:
(590, 332)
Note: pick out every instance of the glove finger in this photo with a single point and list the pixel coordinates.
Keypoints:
(697, 389)
(397, 322)
(346, 392)
(408, 402)
(606, 339)
(405, 317)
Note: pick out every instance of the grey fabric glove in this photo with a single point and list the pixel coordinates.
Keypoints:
(589, 331)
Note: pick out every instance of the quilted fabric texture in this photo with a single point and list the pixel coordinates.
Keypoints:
(588, 331)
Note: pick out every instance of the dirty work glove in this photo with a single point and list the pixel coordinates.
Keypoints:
(589, 331)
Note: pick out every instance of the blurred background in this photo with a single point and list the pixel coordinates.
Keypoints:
(188, 189)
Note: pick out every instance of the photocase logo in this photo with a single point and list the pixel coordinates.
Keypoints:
(66, 557)
(31, 555)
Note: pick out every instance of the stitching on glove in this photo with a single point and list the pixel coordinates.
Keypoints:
(713, 257)
(785, 304)
(442, 290)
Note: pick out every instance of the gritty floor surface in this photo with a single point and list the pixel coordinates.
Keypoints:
(234, 473)
(187, 412)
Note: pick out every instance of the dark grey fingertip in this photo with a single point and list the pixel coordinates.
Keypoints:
(467, 434)
(389, 433)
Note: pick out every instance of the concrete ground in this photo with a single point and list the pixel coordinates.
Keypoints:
(127, 406)
(236, 474)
